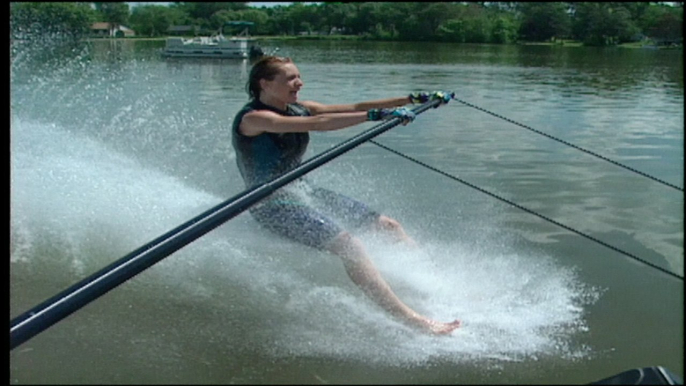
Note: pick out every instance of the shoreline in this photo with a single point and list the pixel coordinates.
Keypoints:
(561, 43)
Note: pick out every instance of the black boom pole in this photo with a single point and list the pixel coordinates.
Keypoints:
(51, 311)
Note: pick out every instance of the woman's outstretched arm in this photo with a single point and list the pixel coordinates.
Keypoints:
(317, 108)
(258, 122)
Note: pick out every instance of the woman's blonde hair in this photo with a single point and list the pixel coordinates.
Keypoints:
(265, 68)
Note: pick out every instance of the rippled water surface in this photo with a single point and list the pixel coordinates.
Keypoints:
(537, 243)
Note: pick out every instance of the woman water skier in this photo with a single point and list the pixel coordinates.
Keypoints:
(270, 136)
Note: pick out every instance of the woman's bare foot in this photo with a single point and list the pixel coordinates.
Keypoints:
(434, 327)
(440, 328)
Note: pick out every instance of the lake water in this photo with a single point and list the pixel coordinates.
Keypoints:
(112, 146)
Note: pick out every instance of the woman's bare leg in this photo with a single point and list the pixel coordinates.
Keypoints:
(363, 273)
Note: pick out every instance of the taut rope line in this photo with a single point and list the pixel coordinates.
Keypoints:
(529, 210)
(571, 145)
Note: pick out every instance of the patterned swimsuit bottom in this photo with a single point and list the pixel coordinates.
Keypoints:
(310, 214)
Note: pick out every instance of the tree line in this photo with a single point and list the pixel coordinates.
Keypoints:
(593, 24)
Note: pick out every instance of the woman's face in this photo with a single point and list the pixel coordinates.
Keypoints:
(285, 85)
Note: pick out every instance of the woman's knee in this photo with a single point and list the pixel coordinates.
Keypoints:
(388, 224)
(392, 228)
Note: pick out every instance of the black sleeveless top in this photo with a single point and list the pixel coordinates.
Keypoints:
(265, 156)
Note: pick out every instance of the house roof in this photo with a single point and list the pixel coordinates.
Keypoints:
(108, 26)
(100, 25)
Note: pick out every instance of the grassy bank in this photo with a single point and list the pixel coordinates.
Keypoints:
(310, 37)
(573, 43)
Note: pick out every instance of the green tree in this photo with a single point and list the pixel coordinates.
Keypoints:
(600, 24)
(431, 16)
(259, 17)
(304, 17)
(452, 31)
(200, 13)
(203, 10)
(406, 20)
(478, 30)
(219, 18)
(543, 21)
(637, 10)
(364, 18)
(155, 20)
(663, 22)
(280, 21)
(57, 20)
(625, 29)
(505, 29)
(336, 14)
(477, 23)
(115, 13)
(392, 17)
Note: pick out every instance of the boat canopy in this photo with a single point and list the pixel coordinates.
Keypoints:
(240, 23)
